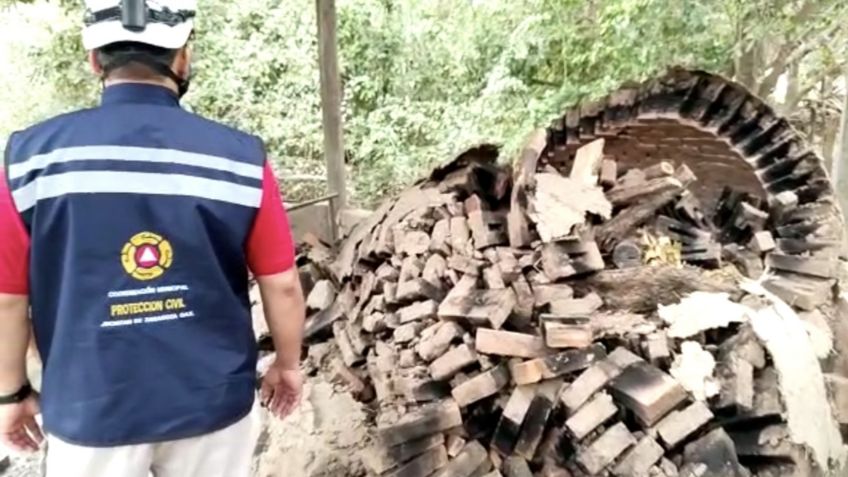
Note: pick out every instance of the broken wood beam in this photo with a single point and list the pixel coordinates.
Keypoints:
(625, 195)
(622, 224)
(658, 170)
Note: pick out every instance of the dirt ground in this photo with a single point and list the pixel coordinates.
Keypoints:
(321, 439)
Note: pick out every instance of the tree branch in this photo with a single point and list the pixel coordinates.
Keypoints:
(792, 101)
(789, 51)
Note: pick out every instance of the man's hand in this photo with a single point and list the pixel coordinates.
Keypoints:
(285, 312)
(18, 428)
(281, 390)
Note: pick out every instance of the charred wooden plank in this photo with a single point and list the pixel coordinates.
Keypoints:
(625, 195)
(642, 289)
(623, 223)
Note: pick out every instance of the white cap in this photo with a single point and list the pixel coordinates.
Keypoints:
(158, 34)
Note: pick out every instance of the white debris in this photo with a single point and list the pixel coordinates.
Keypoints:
(560, 203)
(693, 368)
(801, 380)
(323, 295)
(821, 336)
(701, 311)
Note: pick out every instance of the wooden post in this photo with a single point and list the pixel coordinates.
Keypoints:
(840, 162)
(331, 105)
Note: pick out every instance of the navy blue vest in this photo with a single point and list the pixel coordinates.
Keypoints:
(138, 213)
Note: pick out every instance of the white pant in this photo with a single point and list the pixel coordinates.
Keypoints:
(225, 453)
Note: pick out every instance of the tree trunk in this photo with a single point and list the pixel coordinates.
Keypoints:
(746, 66)
(744, 57)
(840, 164)
(793, 90)
(830, 131)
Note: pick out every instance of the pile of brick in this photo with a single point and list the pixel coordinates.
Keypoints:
(577, 320)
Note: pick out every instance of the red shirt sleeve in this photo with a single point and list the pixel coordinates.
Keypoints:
(270, 247)
(14, 245)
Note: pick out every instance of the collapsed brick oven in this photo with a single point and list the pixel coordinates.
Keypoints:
(585, 312)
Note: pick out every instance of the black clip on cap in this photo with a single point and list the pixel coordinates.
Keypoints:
(134, 14)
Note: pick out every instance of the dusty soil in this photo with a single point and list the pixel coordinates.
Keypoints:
(321, 439)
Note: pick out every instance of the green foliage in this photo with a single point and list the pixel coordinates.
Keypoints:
(422, 79)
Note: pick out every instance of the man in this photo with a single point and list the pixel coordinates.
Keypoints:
(129, 230)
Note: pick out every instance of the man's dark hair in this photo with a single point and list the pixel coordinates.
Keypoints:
(112, 58)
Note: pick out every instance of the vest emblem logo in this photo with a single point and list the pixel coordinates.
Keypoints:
(147, 256)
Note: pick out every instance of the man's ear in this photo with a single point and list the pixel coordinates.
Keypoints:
(182, 62)
(96, 67)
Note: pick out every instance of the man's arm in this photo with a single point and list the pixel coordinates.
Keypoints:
(285, 312)
(18, 427)
(14, 334)
(14, 292)
(270, 256)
